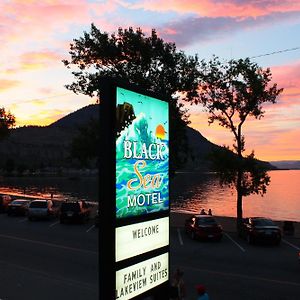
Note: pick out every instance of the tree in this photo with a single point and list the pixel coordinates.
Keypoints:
(84, 146)
(7, 121)
(146, 61)
(232, 92)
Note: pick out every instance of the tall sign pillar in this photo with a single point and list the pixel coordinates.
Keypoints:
(134, 193)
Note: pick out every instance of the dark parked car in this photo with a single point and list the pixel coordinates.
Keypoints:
(18, 207)
(203, 227)
(74, 211)
(258, 229)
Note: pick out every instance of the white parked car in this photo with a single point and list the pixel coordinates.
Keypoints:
(41, 209)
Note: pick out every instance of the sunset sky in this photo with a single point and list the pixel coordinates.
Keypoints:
(35, 37)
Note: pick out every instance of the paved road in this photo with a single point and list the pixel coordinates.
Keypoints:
(46, 260)
(232, 269)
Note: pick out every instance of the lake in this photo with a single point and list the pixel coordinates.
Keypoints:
(192, 191)
(189, 193)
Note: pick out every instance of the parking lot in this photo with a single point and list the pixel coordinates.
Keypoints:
(233, 269)
(47, 260)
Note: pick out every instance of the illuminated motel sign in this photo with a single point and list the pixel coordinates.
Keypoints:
(134, 193)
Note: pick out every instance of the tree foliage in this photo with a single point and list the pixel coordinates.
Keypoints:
(7, 121)
(146, 61)
(85, 145)
(232, 92)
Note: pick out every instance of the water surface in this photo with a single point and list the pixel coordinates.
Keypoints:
(190, 192)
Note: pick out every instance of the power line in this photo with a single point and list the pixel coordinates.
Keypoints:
(38, 99)
(59, 95)
(276, 52)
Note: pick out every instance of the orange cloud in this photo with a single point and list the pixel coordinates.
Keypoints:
(226, 8)
(42, 118)
(6, 84)
(37, 60)
(272, 138)
(281, 146)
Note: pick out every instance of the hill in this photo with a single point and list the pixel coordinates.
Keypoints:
(287, 164)
(48, 147)
(36, 147)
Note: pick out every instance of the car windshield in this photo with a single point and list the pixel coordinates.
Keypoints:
(206, 221)
(262, 222)
(70, 206)
(38, 204)
(19, 202)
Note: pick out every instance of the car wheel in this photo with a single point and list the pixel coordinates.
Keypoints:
(250, 239)
(61, 221)
(30, 218)
(193, 235)
(219, 239)
(277, 243)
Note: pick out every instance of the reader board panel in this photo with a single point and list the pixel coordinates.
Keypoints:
(141, 277)
(139, 238)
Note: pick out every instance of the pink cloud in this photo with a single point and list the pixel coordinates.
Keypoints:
(288, 78)
(191, 29)
(42, 20)
(226, 8)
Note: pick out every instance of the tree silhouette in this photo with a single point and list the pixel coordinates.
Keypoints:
(232, 92)
(146, 61)
(7, 121)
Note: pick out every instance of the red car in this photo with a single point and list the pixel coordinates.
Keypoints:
(203, 227)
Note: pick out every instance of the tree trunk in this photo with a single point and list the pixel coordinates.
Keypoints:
(239, 188)
(239, 204)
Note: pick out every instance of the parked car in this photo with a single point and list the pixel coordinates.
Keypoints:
(41, 209)
(4, 201)
(203, 227)
(258, 229)
(18, 207)
(74, 211)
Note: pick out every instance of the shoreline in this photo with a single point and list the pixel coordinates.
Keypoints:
(185, 212)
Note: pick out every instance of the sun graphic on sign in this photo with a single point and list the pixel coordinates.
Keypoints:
(160, 132)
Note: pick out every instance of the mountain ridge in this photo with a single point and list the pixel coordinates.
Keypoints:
(38, 147)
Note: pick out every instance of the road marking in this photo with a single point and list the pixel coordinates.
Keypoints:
(23, 220)
(248, 277)
(53, 224)
(179, 237)
(58, 279)
(290, 244)
(90, 228)
(238, 245)
(47, 244)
